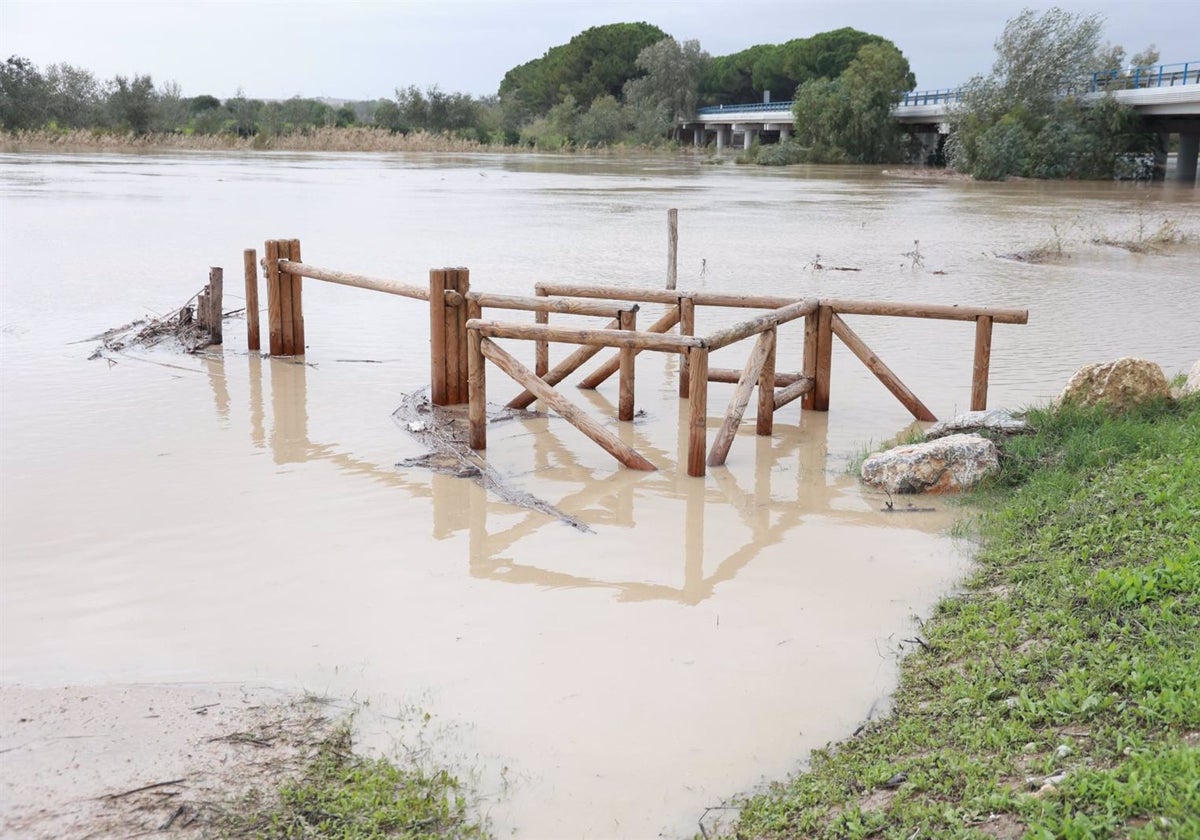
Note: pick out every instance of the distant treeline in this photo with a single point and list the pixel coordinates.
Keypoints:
(613, 84)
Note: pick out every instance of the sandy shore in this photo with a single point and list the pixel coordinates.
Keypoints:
(123, 760)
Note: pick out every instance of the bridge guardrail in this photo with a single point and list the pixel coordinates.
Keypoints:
(1164, 75)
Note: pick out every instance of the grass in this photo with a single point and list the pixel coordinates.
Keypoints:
(1059, 695)
(343, 795)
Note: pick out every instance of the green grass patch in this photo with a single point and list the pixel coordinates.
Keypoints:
(346, 796)
(1059, 695)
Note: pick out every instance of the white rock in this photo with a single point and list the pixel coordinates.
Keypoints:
(1121, 384)
(1192, 386)
(995, 420)
(956, 462)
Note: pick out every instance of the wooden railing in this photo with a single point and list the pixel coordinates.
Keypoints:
(462, 342)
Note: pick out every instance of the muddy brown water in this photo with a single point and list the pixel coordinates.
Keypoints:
(230, 518)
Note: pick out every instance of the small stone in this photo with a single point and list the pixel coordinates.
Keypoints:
(1122, 384)
(955, 462)
(995, 421)
(1062, 752)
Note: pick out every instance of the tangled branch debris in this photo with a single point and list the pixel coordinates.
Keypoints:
(183, 327)
(443, 430)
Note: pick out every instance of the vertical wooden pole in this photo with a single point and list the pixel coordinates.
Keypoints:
(541, 349)
(672, 247)
(462, 285)
(216, 303)
(274, 302)
(437, 335)
(202, 311)
(983, 361)
(687, 326)
(297, 300)
(628, 356)
(824, 357)
(476, 383)
(250, 269)
(765, 419)
(697, 410)
(286, 311)
(809, 368)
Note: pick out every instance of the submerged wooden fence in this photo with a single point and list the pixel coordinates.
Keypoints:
(463, 342)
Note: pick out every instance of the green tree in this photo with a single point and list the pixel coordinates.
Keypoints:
(1027, 117)
(597, 61)
(75, 96)
(23, 95)
(850, 117)
(132, 103)
(603, 124)
(672, 79)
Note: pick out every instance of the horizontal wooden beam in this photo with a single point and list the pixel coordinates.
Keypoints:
(566, 306)
(927, 310)
(732, 376)
(636, 339)
(359, 281)
(803, 385)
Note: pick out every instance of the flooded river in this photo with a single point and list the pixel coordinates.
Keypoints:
(169, 518)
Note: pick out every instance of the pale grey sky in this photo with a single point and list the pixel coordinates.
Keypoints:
(362, 49)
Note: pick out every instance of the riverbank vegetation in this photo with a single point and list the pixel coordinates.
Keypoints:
(1059, 694)
(623, 84)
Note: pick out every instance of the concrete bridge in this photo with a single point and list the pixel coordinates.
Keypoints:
(1167, 96)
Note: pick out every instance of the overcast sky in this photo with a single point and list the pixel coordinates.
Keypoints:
(364, 49)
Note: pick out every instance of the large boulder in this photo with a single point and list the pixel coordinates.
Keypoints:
(1121, 384)
(1192, 386)
(996, 422)
(948, 464)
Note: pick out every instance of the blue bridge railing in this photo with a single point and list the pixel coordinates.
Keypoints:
(1162, 75)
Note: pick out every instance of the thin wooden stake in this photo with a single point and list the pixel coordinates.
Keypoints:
(882, 372)
(286, 310)
(250, 269)
(564, 408)
(274, 298)
(672, 247)
(216, 302)
(697, 410)
(627, 356)
(983, 361)
(751, 374)
(541, 349)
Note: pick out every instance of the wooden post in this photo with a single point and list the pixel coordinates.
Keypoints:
(437, 336)
(455, 314)
(697, 410)
(274, 299)
(250, 269)
(286, 308)
(625, 405)
(808, 367)
(983, 360)
(564, 408)
(765, 419)
(824, 357)
(687, 326)
(672, 247)
(298, 337)
(216, 313)
(541, 349)
(202, 311)
(476, 383)
(882, 372)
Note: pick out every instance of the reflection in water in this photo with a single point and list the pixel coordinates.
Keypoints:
(461, 504)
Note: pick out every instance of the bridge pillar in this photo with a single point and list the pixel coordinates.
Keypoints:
(747, 136)
(785, 131)
(698, 136)
(1185, 165)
